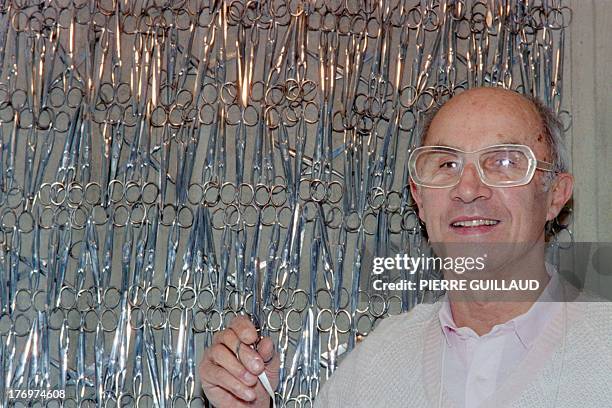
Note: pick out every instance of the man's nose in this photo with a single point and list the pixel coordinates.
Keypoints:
(470, 187)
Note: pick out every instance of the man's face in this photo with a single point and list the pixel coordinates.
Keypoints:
(471, 121)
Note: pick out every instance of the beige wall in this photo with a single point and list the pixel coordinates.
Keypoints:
(588, 93)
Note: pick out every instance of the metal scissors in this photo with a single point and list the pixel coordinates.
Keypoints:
(266, 163)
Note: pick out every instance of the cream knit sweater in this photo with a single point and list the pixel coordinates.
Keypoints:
(399, 364)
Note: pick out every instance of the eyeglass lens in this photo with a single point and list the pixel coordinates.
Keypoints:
(501, 166)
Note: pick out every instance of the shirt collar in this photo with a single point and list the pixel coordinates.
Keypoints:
(526, 326)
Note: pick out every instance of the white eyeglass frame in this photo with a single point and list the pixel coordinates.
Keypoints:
(467, 157)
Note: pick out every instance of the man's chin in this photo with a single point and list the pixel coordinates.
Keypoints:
(497, 236)
(461, 249)
(497, 254)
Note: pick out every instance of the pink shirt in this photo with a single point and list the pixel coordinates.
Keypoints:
(475, 366)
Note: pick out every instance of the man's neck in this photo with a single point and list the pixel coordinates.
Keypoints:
(482, 314)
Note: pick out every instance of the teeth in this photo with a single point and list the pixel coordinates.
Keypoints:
(474, 223)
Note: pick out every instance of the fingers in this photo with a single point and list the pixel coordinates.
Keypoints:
(266, 350)
(249, 358)
(271, 360)
(225, 399)
(221, 356)
(230, 366)
(244, 329)
(221, 378)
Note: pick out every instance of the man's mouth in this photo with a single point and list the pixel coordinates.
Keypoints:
(474, 223)
(468, 226)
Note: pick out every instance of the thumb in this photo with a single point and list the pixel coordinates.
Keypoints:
(271, 360)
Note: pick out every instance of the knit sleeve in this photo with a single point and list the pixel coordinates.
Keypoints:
(331, 392)
(351, 383)
(599, 319)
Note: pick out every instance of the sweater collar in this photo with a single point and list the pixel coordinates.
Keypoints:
(526, 326)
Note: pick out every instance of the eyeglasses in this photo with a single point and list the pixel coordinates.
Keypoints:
(504, 165)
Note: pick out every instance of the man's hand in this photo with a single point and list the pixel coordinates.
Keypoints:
(229, 368)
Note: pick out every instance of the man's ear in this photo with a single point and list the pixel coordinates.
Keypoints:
(416, 195)
(559, 194)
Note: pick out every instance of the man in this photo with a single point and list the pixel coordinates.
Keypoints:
(498, 176)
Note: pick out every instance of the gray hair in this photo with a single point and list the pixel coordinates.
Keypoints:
(553, 132)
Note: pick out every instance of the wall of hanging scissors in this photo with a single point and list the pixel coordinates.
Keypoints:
(166, 165)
